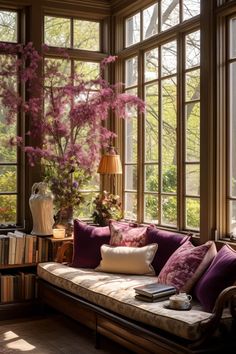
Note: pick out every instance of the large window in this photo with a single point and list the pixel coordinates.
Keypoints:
(11, 174)
(80, 35)
(162, 148)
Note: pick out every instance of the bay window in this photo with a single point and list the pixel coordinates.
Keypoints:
(162, 147)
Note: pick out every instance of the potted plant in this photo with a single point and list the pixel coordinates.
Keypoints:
(106, 206)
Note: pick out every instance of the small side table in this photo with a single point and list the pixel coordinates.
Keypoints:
(54, 244)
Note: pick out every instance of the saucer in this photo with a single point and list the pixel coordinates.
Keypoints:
(167, 306)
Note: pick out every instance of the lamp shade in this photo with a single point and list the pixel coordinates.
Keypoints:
(110, 164)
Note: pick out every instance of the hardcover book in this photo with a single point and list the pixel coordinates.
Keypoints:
(151, 299)
(156, 290)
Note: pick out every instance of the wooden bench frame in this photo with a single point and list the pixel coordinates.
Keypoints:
(135, 336)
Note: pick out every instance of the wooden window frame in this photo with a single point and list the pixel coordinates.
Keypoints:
(76, 54)
(72, 18)
(224, 14)
(20, 131)
(139, 49)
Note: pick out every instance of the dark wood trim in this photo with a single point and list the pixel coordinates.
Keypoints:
(207, 127)
(222, 128)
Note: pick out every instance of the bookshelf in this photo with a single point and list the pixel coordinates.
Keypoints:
(19, 255)
(18, 290)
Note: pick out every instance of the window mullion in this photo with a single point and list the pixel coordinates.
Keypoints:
(159, 138)
(181, 136)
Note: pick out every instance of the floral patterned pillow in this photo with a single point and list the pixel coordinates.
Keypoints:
(124, 234)
(187, 264)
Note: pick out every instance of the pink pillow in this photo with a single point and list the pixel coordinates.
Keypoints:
(123, 234)
(186, 265)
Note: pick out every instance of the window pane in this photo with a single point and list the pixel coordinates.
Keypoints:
(86, 69)
(92, 184)
(192, 80)
(132, 27)
(8, 26)
(151, 123)
(61, 67)
(151, 65)
(232, 129)
(193, 180)
(7, 209)
(57, 31)
(131, 177)
(151, 209)
(169, 178)
(131, 136)
(192, 132)
(169, 13)
(84, 210)
(130, 211)
(192, 213)
(8, 178)
(233, 38)
(151, 178)
(131, 72)
(86, 35)
(232, 216)
(169, 210)
(169, 58)
(7, 153)
(192, 52)
(169, 125)
(150, 21)
(191, 8)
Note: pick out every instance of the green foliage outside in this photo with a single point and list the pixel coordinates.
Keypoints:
(7, 202)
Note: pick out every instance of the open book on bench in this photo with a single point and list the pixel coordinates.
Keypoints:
(154, 292)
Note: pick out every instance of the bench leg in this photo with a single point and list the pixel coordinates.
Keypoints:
(97, 340)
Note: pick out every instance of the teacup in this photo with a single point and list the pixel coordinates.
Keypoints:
(180, 301)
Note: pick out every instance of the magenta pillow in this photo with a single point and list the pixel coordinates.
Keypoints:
(186, 265)
(167, 241)
(220, 275)
(125, 234)
(87, 242)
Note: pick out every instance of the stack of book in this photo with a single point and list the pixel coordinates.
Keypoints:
(154, 292)
(17, 287)
(18, 248)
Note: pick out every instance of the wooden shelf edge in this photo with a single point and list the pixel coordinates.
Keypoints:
(12, 266)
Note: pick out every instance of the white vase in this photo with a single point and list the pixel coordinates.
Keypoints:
(41, 206)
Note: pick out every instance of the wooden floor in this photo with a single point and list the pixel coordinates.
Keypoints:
(54, 334)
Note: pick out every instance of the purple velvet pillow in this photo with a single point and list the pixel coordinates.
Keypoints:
(167, 241)
(220, 275)
(186, 265)
(87, 242)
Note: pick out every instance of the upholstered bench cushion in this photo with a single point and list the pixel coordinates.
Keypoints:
(115, 292)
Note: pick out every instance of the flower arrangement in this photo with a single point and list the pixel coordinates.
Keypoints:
(66, 115)
(106, 206)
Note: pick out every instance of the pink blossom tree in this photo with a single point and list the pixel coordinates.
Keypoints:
(66, 116)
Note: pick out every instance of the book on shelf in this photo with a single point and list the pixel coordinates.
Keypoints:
(151, 299)
(155, 290)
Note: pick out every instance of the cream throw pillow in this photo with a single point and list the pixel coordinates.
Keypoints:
(128, 260)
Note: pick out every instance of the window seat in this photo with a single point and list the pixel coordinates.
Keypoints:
(106, 303)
